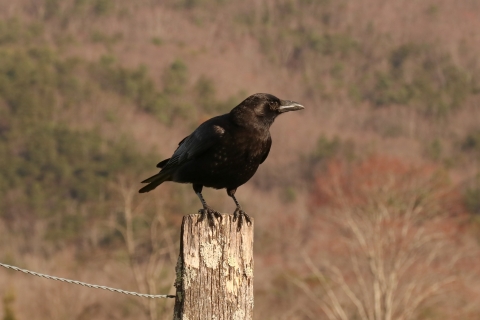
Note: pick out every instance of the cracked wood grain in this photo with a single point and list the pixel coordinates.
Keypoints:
(214, 271)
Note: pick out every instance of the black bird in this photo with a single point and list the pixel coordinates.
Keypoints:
(225, 151)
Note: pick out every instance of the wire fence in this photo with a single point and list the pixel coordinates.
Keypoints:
(142, 295)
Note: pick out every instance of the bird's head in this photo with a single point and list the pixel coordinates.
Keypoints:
(264, 108)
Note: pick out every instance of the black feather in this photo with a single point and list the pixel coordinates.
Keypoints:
(162, 164)
(225, 151)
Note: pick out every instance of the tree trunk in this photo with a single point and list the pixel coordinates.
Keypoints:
(214, 271)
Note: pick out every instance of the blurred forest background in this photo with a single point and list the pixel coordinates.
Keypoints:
(368, 206)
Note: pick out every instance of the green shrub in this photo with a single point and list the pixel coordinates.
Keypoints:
(109, 40)
(52, 9)
(55, 171)
(14, 31)
(419, 77)
(137, 86)
(8, 300)
(472, 200)
(157, 41)
(58, 167)
(329, 148)
(472, 196)
(471, 142)
(205, 94)
(103, 7)
(288, 195)
(326, 148)
(336, 44)
(175, 78)
(434, 150)
(206, 97)
(400, 55)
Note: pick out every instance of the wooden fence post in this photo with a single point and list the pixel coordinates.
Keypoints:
(214, 271)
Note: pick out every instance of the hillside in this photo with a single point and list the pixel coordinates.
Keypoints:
(93, 93)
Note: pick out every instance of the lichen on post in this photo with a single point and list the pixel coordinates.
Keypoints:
(214, 271)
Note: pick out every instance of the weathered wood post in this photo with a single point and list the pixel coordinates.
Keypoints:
(214, 271)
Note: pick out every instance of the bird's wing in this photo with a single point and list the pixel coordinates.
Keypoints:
(267, 149)
(203, 138)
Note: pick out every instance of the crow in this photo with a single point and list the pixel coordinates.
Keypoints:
(224, 152)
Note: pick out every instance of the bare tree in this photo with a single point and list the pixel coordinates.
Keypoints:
(149, 251)
(394, 251)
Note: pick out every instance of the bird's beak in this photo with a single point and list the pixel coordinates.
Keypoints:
(287, 105)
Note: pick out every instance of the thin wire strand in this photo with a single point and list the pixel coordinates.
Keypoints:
(142, 295)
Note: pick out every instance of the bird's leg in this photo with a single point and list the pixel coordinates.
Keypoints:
(207, 211)
(239, 213)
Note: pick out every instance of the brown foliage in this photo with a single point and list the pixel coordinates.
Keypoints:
(385, 177)
(392, 248)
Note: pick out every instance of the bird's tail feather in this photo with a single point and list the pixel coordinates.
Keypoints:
(154, 181)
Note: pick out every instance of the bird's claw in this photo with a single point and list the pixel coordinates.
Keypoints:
(210, 214)
(241, 215)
